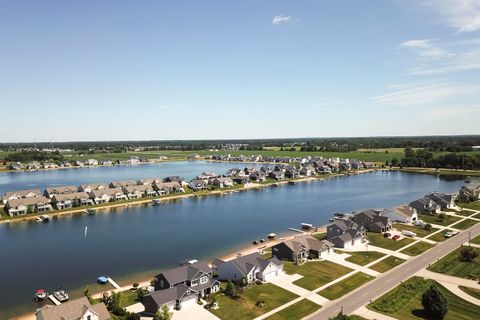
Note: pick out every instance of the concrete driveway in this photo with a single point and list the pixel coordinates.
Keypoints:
(196, 312)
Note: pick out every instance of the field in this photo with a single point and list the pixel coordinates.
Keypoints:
(363, 257)
(417, 248)
(452, 265)
(377, 239)
(418, 230)
(345, 286)
(315, 273)
(387, 264)
(465, 224)
(244, 307)
(404, 302)
(296, 311)
(446, 221)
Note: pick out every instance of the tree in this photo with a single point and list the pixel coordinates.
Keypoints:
(163, 314)
(86, 292)
(140, 294)
(230, 289)
(434, 302)
(427, 227)
(467, 254)
(131, 316)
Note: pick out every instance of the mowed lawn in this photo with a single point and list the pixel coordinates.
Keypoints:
(244, 307)
(421, 232)
(453, 265)
(345, 286)
(439, 237)
(387, 264)
(445, 221)
(465, 224)
(296, 311)
(315, 273)
(377, 239)
(363, 257)
(475, 205)
(476, 240)
(471, 291)
(404, 302)
(417, 248)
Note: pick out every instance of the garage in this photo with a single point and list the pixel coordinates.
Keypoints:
(188, 301)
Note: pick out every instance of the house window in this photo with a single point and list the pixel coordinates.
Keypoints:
(89, 317)
(203, 280)
(194, 283)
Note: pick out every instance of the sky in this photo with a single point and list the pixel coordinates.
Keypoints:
(161, 70)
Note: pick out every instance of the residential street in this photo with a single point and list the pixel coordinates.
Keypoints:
(391, 279)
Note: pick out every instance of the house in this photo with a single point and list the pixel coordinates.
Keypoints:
(148, 182)
(168, 187)
(15, 166)
(345, 233)
(136, 192)
(174, 298)
(91, 162)
(470, 192)
(373, 220)
(78, 309)
(222, 182)
(243, 180)
(50, 192)
(21, 194)
(357, 165)
(307, 171)
(90, 187)
(27, 205)
(177, 179)
(301, 248)
(70, 200)
(252, 267)
(197, 185)
(277, 175)
(425, 206)
(122, 184)
(258, 176)
(446, 201)
(107, 195)
(403, 213)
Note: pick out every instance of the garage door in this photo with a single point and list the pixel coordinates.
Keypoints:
(191, 300)
(271, 275)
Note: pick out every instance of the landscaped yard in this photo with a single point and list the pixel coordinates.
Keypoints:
(471, 291)
(363, 257)
(446, 221)
(377, 239)
(476, 240)
(477, 216)
(421, 232)
(404, 302)
(387, 264)
(465, 224)
(439, 237)
(244, 307)
(320, 236)
(315, 273)
(296, 311)
(475, 205)
(453, 265)
(127, 298)
(345, 286)
(417, 248)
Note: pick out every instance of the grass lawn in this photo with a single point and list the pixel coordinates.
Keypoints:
(439, 237)
(387, 264)
(404, 302)
(377, 239)
(452, 265)
(244, 307)
(296, 311)
(315, 273)
(345, 286)
(471, 291)
(127, 298)
(418, 230)
(267, 253)
(477, 216)
(363, 257)
(417, 248)
(463, 213)
(446, 221)
(476, 240)
(465, 224)
(475, 205)
(320, 236)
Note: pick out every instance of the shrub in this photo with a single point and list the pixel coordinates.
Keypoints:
(467, 254)
(427, 227)
(434, 302)
(230, 289)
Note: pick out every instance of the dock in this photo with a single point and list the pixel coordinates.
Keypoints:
(113, 283)
(296, 230)
(54, 300)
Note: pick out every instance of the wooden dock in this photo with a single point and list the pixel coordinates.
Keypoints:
(54, 300)
(113, 283)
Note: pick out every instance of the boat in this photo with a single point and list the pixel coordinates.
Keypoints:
(102, 280)
(271, 235)
(61, 295)
(292, 183)
(254, 242)
(39, 295)
(262, 240)
(307, 226)
(275, 185)
(156, 202)
(331, 219)
(45, 218)
(90, 211)
(38, 219)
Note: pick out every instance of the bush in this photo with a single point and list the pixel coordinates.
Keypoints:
(258, 282)
(427, 227)
(230, 289)
(260, 303)
(467, 254)
(434, 302)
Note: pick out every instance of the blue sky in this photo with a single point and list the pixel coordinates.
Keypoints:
(148, 70)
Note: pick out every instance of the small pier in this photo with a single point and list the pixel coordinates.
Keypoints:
(113, 283)
(296, 230)
(54, 300)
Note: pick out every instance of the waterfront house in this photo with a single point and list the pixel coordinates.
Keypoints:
(91, 162)
(28, 205)
(90, 187)
(149, 182)
(136, 192)
(243, 180)
(174, 298)
(307, 171)
(251, 267)
(470, 192)
(15, 166)
(107, 195)
(277, 175)
(197, 185)
(78, 309)
(222, 182)
(258, 176)
(50, 192)
(445, 201)
(301, 248)
(122, 184)
(345, 233)
(403, 213)
(164, 188)
(425, 206)
(70, 200)
(21, 194)
(373, 220)
(177, 179)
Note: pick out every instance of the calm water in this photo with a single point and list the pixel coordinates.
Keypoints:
(138, 240)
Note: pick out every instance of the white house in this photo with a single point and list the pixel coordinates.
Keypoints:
(401, 213)
(253, 267)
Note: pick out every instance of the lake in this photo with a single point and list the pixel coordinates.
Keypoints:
(141, 240)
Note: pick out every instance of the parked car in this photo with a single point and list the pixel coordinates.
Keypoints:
(396, 237)
(387, 235)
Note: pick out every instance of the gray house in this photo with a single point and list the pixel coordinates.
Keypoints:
(425, 206)
(174, 298)
(301, 248)
(345, 233)
(251, 267)
(373, 221)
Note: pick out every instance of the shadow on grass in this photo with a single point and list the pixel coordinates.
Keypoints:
(421, 313)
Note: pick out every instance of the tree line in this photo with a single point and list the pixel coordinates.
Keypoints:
(424, 158)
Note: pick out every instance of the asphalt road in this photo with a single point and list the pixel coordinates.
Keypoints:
(392, 278)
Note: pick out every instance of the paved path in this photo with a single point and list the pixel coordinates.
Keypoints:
(458, 292)
(369, 314)
(391, 279)
(440, 277)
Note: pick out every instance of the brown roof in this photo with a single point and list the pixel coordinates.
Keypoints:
(70, 196)
(110, 192)
(60, 190)
(27, 201)
(73, 310)
(22, 193)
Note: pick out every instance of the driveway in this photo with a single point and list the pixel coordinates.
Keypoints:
(196, 312)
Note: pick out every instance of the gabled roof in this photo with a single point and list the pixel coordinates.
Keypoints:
(307, 242)
(28, 201)
(73, 310)
(255, 260)
(70, 196)
(109, 192)
(186, 272)
(22, 193)
(60, 190)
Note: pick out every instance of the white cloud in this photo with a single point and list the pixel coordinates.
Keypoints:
(280, 19)
(463, 15)
(426, 48)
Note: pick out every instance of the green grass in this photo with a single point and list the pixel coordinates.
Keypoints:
(475, 205)
(471, 291)
(315, 273)
(296, 311)
(417, 248)
(465, 224)
(476, 240)
(387, 264)
(404, 302)
(452, 265)
(345, 286)
(418, 230)
(244, 307)
(477, 216)
(127, 298)
(377, 239)
(438, 237)
(363, 257)
(267, 253)
(446, 221)
(320, 236)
